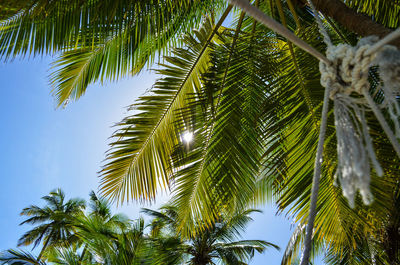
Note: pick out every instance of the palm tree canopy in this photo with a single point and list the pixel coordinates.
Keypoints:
(110, 239)
(219, 242)
(52, 223)
(251, 100)
(98, 40)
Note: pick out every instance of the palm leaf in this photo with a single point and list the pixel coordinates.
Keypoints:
(44, 27)
(19, 257)
(121, 54)
(139, 159)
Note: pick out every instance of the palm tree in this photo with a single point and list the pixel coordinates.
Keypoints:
(101, 246)
(52, 223)
(99, 237)
(57, 255)
(114, 242)
(251, 114)
(105, 238)
(218, 242)
(250, 98)
(247, 112)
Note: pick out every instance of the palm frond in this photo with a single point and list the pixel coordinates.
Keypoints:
(139, 159)
(45, 27)
(121, 54)
(223, 161)
(19, 257)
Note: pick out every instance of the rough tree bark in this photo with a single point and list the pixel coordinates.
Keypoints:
(355, 22)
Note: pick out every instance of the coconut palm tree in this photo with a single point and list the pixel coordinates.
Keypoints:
(99, 237)
(250, 99)
(52, 223)
(102, 246)
(217, 170)
(217, 243)
(254, 110)
(98, 231)
(106, 238)
(114, 242)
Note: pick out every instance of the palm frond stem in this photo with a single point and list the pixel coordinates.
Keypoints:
(337, 30)
(297, 68)
(210, 133)
(217, 26)
(294, 13)
(278, 28)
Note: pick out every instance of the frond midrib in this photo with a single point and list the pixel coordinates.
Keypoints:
(206, 148)
(204, 48)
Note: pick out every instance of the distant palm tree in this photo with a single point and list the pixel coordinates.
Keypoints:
(95, 237)
(216, 243)
(98, 230)
(101, 237)
(52, 223)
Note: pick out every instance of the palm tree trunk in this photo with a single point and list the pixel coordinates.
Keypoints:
(392, 244)
(358, 23)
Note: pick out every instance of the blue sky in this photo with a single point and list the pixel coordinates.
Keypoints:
(44, 148)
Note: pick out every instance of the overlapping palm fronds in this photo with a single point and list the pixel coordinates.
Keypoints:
(251, 100)
(17, 257)
(219, 242)
(383, 11)
(101, 40)
(338, 227)
(260, 80)
(54, 227)
(139, 161)
(102, 237)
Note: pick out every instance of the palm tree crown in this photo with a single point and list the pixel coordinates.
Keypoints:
(101, 237)
(217, 243)
(53, 223)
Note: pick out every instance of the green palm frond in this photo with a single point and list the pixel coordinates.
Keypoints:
(11, 8)
(53, 224)
(244, 249)
(100, 40)
(139, 162)
(223, 162)
(292, 252)
(64, 256)
(125, 53)
(216, 243)
(365, 252)
(19, 257)
(115, 240)
(44, 27)
(291, 129)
